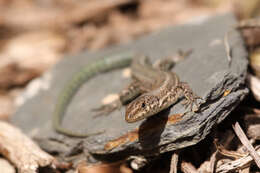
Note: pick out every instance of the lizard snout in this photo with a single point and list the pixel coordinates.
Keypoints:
(142, 107)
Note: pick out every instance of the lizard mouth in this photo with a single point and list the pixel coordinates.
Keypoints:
(141, 108)
(133, 112)
(130, 115)
(130, 118)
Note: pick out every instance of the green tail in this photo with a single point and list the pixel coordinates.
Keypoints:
(86, 73)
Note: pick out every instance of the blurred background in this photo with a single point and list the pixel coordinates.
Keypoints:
(36, 34)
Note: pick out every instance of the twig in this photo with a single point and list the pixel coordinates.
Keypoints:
(242, 137)
(187, 167)
(174, 162)
(21, 150)
(236, 164)
(213, 159)
(248, 23)
(227, 47)
(245, 170)
(232, 154)
(254, 85)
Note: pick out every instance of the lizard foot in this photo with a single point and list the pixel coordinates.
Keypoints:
(191, 98)
(190, 101)
(106, 109)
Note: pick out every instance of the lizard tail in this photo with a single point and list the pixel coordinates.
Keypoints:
(86, 73)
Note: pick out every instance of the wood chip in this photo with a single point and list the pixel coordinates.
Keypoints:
(187, 167)
(6, 167)
(254, 84)
(236, 164)
(213, 161)
(21, 150)
(232, 154)
(174, 162)
(110, 98)
(242, 137)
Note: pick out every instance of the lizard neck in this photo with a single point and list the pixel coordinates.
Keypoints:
(144, 72)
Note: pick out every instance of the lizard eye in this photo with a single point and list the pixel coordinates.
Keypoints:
(143, 105)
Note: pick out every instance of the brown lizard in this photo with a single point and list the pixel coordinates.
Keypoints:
(157, 88)
(154, 88)
(166, 89)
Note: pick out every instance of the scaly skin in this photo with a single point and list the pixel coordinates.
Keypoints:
(157, 86)
(166, 90)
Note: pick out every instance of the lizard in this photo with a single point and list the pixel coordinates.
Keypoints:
(154, 88)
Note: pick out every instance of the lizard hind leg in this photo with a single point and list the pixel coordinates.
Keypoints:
(106, 109)
(168, 63)
(190, 97)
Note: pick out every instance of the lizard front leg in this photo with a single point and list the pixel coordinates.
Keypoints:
(128, 94)
(190, 96)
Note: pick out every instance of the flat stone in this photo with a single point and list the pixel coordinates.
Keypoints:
(206, 70)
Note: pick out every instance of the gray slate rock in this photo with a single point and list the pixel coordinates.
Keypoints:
(206, 70)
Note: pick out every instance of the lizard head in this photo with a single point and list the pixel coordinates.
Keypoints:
(142, 107)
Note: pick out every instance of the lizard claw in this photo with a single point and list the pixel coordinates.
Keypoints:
(190, 101)
(190, 97)
(196, 103)
(106, 109)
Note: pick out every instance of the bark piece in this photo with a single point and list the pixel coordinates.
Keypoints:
(6, 167)
(236, 164)
(242, 137)
(21, 150)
